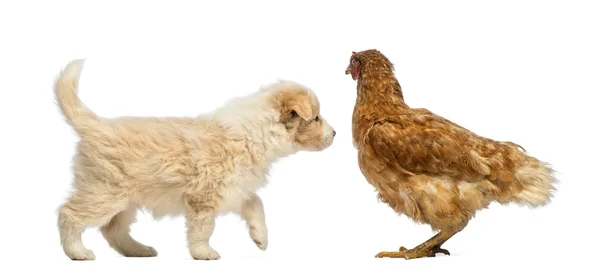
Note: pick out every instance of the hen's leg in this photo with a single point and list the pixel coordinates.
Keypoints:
(427, 249)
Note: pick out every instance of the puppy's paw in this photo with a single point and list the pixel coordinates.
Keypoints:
(150, 252)
(140, 251)
(205, 253)
(81, 255)
(259, 236)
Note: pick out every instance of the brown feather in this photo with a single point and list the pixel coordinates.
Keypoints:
(429, 168)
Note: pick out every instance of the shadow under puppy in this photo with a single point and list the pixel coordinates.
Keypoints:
(198, 166)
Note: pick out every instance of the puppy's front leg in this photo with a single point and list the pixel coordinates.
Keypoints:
(254, 214)
(200, 218)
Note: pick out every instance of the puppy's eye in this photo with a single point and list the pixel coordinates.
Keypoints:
(293, 113)
(317, 119)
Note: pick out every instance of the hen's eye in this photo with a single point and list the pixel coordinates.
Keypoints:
(317, 119)
(353, 61)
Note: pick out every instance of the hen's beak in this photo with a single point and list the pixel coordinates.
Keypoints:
(348, 70)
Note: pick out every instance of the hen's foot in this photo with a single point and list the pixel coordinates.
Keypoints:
(413, 253)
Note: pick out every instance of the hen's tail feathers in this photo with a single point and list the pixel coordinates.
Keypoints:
(538, 181)
(65, 89)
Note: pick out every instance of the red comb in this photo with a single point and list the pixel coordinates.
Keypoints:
(354, 52)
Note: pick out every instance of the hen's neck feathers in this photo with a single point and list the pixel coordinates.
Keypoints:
(379, 96)
(378, 85)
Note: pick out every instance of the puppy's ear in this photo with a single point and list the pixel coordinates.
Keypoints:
(299, 106)
(294, 103)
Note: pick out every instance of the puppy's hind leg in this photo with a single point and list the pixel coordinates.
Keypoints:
(116, 232)
(81, 211)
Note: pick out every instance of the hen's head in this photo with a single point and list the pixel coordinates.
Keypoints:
(363, 60)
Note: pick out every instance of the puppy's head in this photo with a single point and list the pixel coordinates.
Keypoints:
(299, 111)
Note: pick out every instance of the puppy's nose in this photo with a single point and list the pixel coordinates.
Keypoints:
(334, 133)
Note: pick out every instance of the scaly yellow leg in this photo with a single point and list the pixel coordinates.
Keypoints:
(427, 249)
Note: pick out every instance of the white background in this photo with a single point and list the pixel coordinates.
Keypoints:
(524, 71)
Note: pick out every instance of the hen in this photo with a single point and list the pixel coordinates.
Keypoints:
(429, 168)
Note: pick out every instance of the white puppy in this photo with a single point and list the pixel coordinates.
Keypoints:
(198, 166)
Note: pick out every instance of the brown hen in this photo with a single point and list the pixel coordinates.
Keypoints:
(431, 169)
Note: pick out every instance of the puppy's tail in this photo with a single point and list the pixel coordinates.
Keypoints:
(65, 88)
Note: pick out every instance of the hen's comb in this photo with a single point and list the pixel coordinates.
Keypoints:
(354, 52)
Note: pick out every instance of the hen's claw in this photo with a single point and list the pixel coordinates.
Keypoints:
(412, 253)
(390, 254)
(438, 249)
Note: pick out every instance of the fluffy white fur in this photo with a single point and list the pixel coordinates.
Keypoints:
(198, 167)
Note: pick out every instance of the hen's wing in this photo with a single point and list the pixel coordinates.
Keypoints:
(422, 142)
(446, 121)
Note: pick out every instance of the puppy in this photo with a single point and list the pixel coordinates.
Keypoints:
(198, 167)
